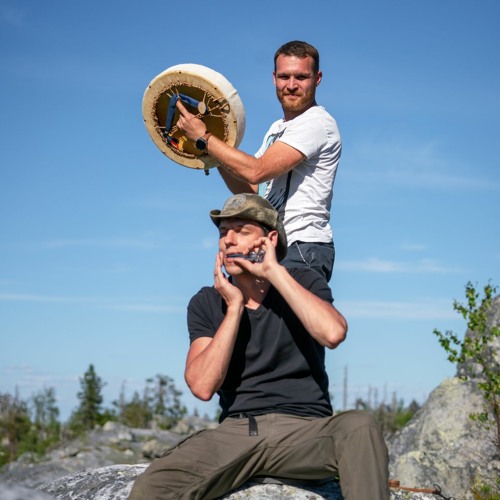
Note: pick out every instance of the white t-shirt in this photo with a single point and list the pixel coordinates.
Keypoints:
(303, 196)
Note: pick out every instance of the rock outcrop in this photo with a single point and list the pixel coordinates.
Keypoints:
(103, 464)
(442, 444)
(112, 444)
(17, 492)
(114, 483)
(439, 446)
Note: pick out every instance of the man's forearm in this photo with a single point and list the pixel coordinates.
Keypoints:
(278, 158)
(320, 318)
(236, 164)
(207, 369)
(236, 186)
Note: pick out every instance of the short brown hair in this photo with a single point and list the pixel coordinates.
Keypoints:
(299, 49)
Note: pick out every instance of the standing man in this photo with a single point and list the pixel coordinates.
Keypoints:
(297, 161)
(258, 340)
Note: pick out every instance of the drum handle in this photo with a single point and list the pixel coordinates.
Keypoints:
(171, 110)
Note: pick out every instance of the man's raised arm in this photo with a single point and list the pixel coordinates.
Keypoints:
(247, 170)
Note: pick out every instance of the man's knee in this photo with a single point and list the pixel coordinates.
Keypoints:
(153, 484)
(138, 491)
(363, 428)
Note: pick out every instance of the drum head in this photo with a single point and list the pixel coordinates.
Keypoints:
(203, 92)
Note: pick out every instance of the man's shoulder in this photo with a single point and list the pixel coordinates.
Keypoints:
(318, 114)
(313, 117)
(314, 122)
(205, 294)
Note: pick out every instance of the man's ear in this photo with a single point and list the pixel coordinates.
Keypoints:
(273, 236)
(319, 76)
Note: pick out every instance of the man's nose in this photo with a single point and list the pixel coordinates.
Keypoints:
(292, 83)
(230, 237)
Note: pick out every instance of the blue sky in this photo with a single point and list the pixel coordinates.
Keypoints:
(104, 239)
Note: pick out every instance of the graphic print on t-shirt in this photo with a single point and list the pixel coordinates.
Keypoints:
(278, 201)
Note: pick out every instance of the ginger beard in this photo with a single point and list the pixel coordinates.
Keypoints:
(301, 100)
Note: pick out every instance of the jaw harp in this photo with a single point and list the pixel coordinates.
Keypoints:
(251, 256)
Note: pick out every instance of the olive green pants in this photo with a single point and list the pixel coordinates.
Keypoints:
(213, 462)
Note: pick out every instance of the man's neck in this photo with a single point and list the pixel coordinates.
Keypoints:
(254, 289)
(290, 115)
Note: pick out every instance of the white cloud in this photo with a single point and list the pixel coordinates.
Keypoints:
(135, 243)
(157, 305)
(376, 265)
(148, 308)
(27, 297)
(422, 310)
(410, 163)
(16, 369)
(29, 379)
(402, 176)
(413, 247)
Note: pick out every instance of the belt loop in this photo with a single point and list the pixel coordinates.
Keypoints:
(252, 426)
(253, 430)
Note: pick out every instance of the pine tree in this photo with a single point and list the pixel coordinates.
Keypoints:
(164, 400)
(159, 405)
(15, 424)
(45, 419)
(89, 412)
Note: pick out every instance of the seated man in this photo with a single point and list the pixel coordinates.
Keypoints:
(258, 340)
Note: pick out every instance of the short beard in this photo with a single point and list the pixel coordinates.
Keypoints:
(304, 102)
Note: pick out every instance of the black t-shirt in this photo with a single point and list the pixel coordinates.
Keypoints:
(276, 367)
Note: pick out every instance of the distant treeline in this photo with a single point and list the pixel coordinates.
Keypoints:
(34, 425)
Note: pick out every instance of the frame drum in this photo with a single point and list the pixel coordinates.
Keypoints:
(205, 93)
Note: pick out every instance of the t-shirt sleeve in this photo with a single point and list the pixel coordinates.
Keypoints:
(204, 314)
(307, 136)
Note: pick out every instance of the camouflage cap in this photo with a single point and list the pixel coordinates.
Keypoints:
(255, 208)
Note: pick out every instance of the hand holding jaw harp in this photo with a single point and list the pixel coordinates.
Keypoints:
(251, 256)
